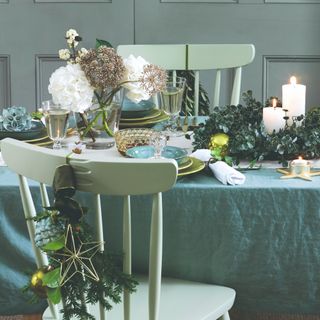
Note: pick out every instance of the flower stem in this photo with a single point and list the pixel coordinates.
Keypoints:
(105, 124)
(88, 127)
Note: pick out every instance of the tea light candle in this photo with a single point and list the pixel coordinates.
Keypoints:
(273, 118)
(299, 162)
(300, 167)
(294, 99)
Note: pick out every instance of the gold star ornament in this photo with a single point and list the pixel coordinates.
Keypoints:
(299, 168)
(77, 258)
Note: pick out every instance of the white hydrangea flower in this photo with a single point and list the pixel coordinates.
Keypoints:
(71, 35)
(70, 88)
(134, 70)
(64, 54)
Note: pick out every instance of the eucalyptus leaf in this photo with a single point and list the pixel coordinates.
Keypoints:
(54, 295)
(100, 42)
(55, 245)
(52, 278)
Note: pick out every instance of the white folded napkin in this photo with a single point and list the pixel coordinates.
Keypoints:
(222, 171)
(2, 163)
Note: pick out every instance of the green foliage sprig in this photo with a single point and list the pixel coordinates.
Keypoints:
(249, 140)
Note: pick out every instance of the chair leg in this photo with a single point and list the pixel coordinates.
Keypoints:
(127, 253)
(225, 316)
(155, 261)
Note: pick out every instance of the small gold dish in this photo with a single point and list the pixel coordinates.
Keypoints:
(129, 138)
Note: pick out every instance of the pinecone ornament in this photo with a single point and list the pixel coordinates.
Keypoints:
(48, 230)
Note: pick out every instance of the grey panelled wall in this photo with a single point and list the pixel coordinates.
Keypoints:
(284, 32)
(32, 32)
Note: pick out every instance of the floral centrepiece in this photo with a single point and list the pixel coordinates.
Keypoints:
(93, 78)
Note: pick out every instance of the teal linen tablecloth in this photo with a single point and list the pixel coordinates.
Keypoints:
(261, 238)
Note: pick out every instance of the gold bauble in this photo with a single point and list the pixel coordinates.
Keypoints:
(36, 279)
(36, 282)
(218, 140)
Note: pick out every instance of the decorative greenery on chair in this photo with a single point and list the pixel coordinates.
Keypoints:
(78, 271)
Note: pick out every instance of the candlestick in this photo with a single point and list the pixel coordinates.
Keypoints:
(294, 99)
(273, 119)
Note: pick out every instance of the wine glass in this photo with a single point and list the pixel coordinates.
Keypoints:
(171, 101)
(56, 120)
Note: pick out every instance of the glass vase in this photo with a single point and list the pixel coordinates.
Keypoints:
(98, 124)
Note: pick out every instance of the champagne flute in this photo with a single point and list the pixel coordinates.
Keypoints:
(171, 101)
(56, 120)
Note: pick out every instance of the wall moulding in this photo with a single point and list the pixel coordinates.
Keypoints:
(45, 65)
(5, 80)
(199, 1)
(278, 69)
(292, 1)
(72, 1)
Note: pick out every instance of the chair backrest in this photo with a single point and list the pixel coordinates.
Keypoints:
(166, 56)
(110, 176)
(198, 57)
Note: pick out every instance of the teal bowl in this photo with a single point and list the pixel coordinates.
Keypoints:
(170, 152)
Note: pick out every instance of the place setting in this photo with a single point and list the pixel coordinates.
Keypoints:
(17, 123)
(141, 115)
(144, 143)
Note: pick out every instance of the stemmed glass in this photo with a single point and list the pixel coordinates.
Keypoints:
(171, 101)
(56, 119)
(158, 140)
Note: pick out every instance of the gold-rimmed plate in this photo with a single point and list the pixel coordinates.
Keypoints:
(185, 164)
(36, 131)
(197, 165)
(154, 113)
(45, 136)
(145, 123)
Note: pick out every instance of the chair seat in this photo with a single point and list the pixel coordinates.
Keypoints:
(180, 299)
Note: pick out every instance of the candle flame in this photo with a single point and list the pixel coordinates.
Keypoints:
(293, 80)
(300, 158)
(274, 102)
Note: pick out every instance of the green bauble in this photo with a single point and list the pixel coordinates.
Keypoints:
(48, 230)
(218, 140)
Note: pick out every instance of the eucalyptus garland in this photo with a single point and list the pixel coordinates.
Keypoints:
(249, 140)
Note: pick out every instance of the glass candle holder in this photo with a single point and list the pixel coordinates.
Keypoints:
(300, 167)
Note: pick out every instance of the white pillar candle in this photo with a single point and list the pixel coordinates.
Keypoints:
(294, 99)
(273, 119)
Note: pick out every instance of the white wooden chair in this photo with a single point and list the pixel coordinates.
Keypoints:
(198, 57)
(156, 298)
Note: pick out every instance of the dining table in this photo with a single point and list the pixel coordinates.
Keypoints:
(261, 238)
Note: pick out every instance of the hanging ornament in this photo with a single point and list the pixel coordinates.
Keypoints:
(47, 230)
(77, 258)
